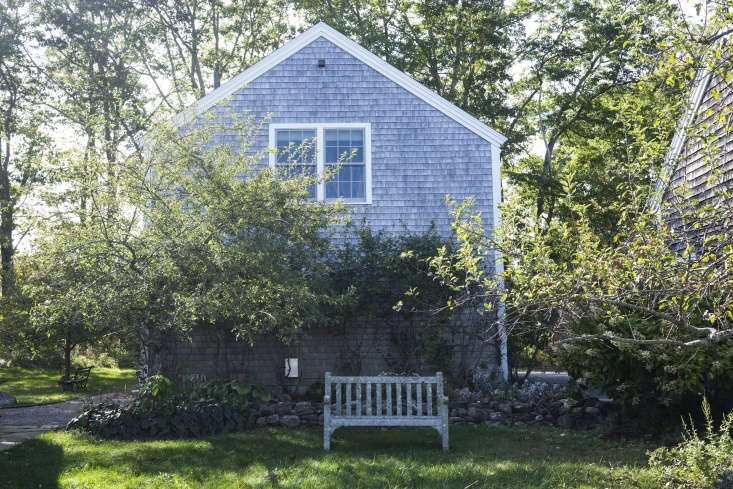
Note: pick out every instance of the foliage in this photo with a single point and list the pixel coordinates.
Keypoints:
(532, 457)
(389, 284)
(636, 305)
(580, 61)
(163, 411)
(698, 462)
(23, 141)
(183, 419)
(194, 233)
(461, 50)
(207, 42)
(241, 394)
(40, 385)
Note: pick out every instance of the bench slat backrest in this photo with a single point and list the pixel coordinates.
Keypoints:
(82, 372)
(369, 392)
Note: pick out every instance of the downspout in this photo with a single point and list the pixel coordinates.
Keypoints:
(498, 260)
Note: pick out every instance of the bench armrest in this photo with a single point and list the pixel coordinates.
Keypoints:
(326, 399)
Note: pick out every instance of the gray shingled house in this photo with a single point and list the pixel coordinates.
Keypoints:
(411, 147)
(701, 155)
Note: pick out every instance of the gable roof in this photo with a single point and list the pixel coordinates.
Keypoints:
(329, 33)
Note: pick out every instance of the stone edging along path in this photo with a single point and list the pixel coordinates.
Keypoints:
(19, 423)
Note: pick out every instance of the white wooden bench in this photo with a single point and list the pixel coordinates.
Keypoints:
(384, 401)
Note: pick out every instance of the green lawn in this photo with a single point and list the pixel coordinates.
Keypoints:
(33, 386)
(482, 457)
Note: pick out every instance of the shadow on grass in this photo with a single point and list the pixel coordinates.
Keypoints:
(406, 458)
(35, 464)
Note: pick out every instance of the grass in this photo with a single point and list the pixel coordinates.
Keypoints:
(34, 386)
(481, 457)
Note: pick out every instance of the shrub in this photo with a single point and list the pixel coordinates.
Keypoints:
(698, 462)
(654, 385)
(162, 411)
(183, 418)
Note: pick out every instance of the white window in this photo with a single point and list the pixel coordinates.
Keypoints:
(313, 147)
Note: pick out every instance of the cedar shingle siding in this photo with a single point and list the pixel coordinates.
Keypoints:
(706, 160)
(418, 153)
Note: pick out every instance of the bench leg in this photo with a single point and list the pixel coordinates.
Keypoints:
(327, 427)
(444, 438)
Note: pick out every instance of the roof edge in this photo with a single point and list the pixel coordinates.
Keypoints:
(367, 57)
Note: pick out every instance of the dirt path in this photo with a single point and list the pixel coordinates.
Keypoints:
(21, 423)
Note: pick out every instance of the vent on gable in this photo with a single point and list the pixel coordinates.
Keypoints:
(321, 63)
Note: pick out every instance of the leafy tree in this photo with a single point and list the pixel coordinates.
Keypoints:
(22, 141)
(580, 60)
(197, 42)
(199, 233)
(461, 50)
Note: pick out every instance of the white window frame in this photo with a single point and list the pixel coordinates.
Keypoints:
(320, 128)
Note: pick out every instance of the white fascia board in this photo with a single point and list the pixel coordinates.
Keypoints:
(327, 32)
(702, 83)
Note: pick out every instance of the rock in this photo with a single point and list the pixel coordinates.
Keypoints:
(309, 419)
(273, 419)
(464, 394)
(505, 408)
(291, 421)
(539, 417)
(593, 411)
(456, 420)
(521, 407)
(261, 421)
(477, 414)
(577, 411)
(461, 412)
(496, 416)
(284, 408)
(266, 411)
(565, 421)
(519, 423)
(6, 399)
(303, 407)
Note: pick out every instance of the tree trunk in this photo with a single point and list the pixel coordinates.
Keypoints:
(7, 224)
(68, 346)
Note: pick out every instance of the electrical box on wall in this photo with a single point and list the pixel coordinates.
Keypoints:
(291, 368)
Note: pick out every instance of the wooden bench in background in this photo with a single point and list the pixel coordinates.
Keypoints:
(384, 401)
(78, 381)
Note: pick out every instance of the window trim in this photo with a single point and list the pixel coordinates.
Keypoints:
(320, 152)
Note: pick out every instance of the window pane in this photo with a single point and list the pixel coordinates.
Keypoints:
(331, 136)
(296, 145)
(357, 190)
(357, 173)
(348, 183)
(357, 137)
(344, 143)
(331, 154)
(359, 156)
(332, 191)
